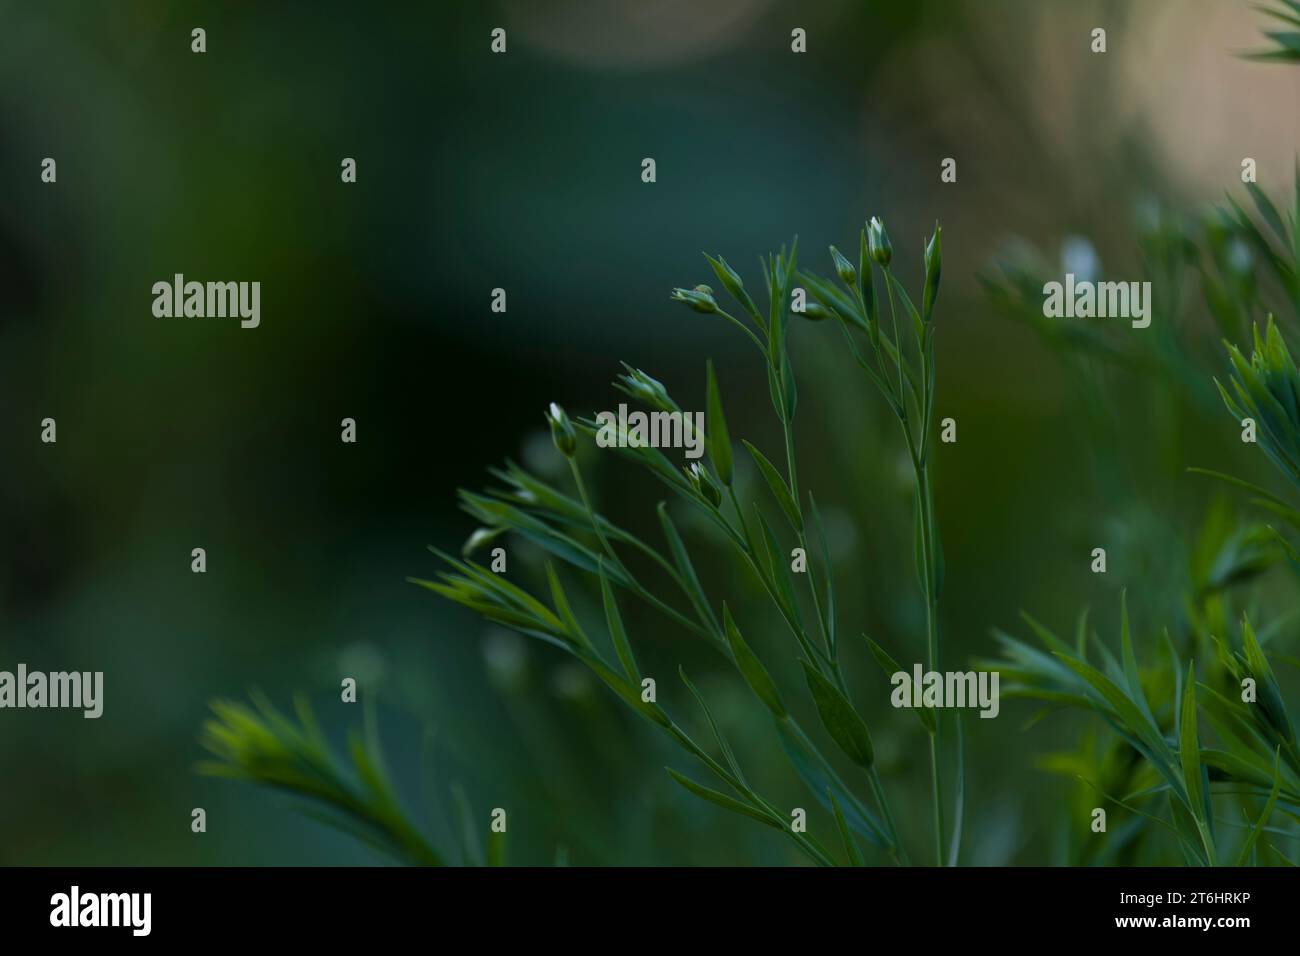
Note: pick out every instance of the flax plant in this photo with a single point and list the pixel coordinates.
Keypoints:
(1252, 757)
(910, 396)
(570, 531)
(1204, 740)
(1193, 739)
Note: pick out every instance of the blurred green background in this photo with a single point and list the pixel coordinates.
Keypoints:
(523, 172)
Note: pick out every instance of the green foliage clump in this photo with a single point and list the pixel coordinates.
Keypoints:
(900, 361)
(262, 745)
(1256, 756)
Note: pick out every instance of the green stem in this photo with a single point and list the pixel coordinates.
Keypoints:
(591, 514)
(959, 809)
(831, 651)
(936, 785)
(917, 447)
(897, 851)
(789, 463)
(898, 345)
(744, 328)
(873, 336)
(928, 539)
(815, 657)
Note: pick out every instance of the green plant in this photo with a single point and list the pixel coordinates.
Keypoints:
(1256, 756)
(1286, 42)
(1266, 391)
(569, 530)
(1246, 265)
(261, 745)
(1184, 759)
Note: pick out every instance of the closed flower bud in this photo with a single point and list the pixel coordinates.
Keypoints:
(703, 482)
(646, 389)
(562, 433)
(700, 299)
(848, 275)
(881, 248)
(933, 266)
(732, 283)
(815, 312)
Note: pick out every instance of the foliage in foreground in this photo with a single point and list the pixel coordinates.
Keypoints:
(261, 745)
(1248, 267)
(1255, 759)
(899, 361)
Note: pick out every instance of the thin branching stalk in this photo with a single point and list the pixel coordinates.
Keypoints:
(558, 523)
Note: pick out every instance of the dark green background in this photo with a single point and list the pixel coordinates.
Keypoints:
(522, 171)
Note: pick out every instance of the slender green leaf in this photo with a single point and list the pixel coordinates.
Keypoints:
(617, 632)
(846, 835)
(751, 668)
(727, 752)
(724, 801)
(1131, 677)
(819, 776)
(890, 666)
(842, 722)
(630, 693)
(780, 490)
(1270, 695)
(779, 570)
(1189, 752)
(565, 612)
(718, 439)
(1130, 716)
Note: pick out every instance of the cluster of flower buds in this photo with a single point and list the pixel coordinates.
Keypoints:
(876, 245)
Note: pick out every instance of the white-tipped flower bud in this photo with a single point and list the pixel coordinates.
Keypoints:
(562, 433)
